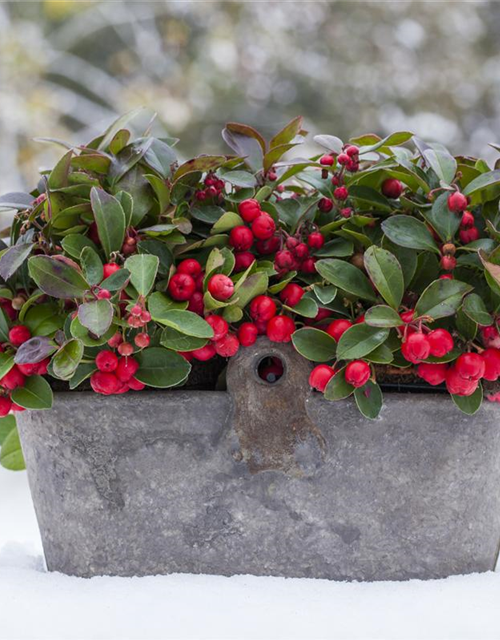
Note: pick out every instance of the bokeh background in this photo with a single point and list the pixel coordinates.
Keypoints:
(68, 67)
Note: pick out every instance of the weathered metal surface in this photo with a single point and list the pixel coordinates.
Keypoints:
(162, 482)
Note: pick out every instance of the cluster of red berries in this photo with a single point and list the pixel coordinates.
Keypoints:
(115, 375)
(296, 255)
(214, 188)
(463, 376)
(419, 345)
(349, 158)
(223, 343)
(356, 373)
(17, 376)
(458, 203)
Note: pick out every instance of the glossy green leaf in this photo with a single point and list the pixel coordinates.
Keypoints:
(360, 340)
(161, 368)
(13, 258)
(11, 454)
(475, 309)
(7, 423)
(74, 243)
(305, 307)
(314, 344)
(369, 399)
(173, 339)
(110, 219)
(66, 360)
(441, 298)
(143, 268)
(482, 182)
(36, 394)
(409, 232)
(338, 388)
(96, 316)
(382, 316)
(57, 278)
(347, 277)
(444, 221)
(386, 274)
(91, 265)
(186, 322)
(469, 404)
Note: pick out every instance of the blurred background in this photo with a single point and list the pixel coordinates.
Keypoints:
(68, 67)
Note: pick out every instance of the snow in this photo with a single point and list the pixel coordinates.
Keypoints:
(37, 605)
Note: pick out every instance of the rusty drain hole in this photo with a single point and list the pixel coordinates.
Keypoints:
(270, 369)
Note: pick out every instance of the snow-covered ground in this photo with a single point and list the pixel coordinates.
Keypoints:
(38, 605)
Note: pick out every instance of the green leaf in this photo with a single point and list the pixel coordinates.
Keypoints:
(13, 258)
(11, 455)
(177, 341)
(475, 309)
(380, 355)
(89, 339)
(6, 425)
(56, 278)
(407, 258)
(74, 243)
(238, 178)
(360, 340)
(83, 371)
(409, 232)
(36, 394)
(482, 182)
(444, 221)
(441, 298)
(255, 285)
(369, 399)
(338, 388)
(110, 219)
(143, 268)
(186, 322)
(325, 294)
(336, 248)
(6, 363)
(59, 175)
(382, 316)
(91, 265)
(305, 307)
(96, 316)
(386, 274)
(161, 368)
(34, 350)
(159, 249)
(288, 133)
(127, 202)
(393, 140)
(44, 319)
(66, 360)
(4, 326)
(469, 404)
(347, 277)
(441, 162)
(227, 221)
(117, 280)
(161, 190)
(314, 344)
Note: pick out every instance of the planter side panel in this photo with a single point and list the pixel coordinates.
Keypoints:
(157, 483)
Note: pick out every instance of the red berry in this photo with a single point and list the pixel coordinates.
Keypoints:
(109, 268)
(441, 342)
(6, 305)
(346, 212)
(490, 336)
(446, 276)
(219, 325)
(468, 235)
(145, 316)
(284, 260)
(467, 220)
(247, 334)
(459, 386)
(316, 240)
(407, 316)
(266, 247)
(190, 266)
(448, 263)
(115, 340)
(301, 251)
(142, 340)
(491, 359)
(357, 373)
(320, 377)
(106, 361)
(126, 368)
(42, 367)
(341, 193)
(432, 373)
(19, 334)
(280, 329)
(470, 366)
(457, 202)
(241, 238)
(242, 260)
(103, 294)
(135, 384)
(125, 349)
(196, 303)
(16, 407)
(249, 209)
(136, 310)
(392, 188)
(352, 151)
(228, 346)
(204, 353)
(181, 286)
(416, 348)
(221, 287)
(263, 227)
(327, 160)
(337, 328)
(105, 383)
(308, 266)
(13, 379)
(262, 308)
(5, 406)
(292, 242)
(325, 205)
(292, 294)
(343, 158)
(200, 195)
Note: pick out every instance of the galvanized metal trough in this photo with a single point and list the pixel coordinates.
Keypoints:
(265, 479)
